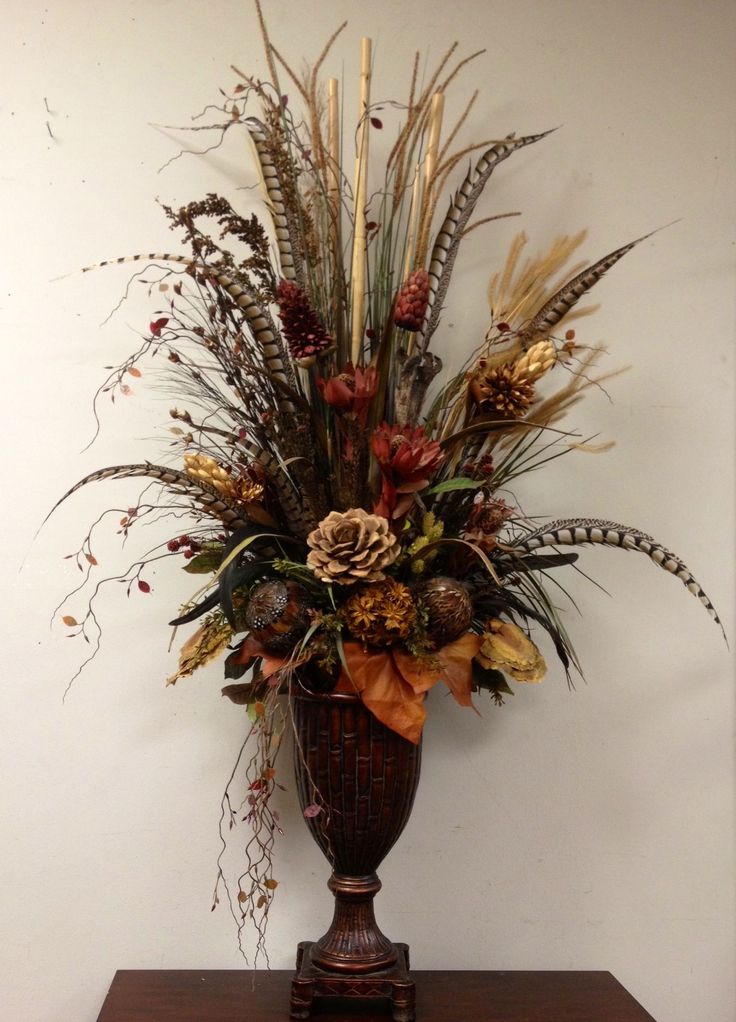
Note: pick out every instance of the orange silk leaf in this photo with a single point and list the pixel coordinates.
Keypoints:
(384, 691)
(453, 664)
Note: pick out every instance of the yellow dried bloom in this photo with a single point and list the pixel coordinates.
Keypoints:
(535, 362)
(380, 614)
(207, 642)
(507, 648)
(201, 466)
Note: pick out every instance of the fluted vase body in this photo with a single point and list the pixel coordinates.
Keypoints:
(364, 777)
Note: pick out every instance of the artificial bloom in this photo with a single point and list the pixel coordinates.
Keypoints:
(350, 391)
(486, 519)
(351, 546)
(408, 459)
(505, 647)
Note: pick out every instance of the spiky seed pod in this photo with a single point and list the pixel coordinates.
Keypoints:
(449, 608)
(351, 546)
(247, 490)
(380, 614)
(535, 362)
(305, 334)
(499, 392)
(411, 302)
(507, 648)
(278, 614)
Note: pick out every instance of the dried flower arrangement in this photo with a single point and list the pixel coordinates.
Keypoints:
(352, 535)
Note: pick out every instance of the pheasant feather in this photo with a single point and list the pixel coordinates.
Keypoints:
(208, 498)
(284, 228)
(577, 531)
(563, 300)
(461, 208)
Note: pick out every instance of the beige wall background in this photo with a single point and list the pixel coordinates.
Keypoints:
(585, 830)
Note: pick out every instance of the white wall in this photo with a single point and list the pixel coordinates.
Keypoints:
(591, 830)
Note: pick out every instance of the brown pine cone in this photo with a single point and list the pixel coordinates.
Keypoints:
(351, 546)
(411, 302)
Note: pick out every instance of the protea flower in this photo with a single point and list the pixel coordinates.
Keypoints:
(408, 459)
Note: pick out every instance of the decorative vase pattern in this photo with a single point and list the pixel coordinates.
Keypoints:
(365, 777)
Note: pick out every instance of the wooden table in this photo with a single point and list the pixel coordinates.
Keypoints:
(218, 996)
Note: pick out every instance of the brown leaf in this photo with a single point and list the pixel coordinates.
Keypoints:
(135, 372)
(271, 884)
(384, 691)
(242, 896)
(452, 664)
(70, 621)
(91, 560)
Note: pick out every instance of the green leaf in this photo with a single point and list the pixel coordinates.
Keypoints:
(206, 561)
(460, 483)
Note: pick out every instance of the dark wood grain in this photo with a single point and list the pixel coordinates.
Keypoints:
(242, 996)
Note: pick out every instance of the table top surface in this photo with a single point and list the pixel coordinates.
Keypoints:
(244, 996)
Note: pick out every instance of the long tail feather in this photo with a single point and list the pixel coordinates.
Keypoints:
(563, 300)
(577, 531)
(287, 239)
(209, 499)
(448, 238)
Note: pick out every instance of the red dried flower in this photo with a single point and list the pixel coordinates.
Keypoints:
(351, 391)
(302, 328)
(408, 459)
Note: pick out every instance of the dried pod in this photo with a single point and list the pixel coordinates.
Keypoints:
(411, 301)
(278, 614)
(449, 608)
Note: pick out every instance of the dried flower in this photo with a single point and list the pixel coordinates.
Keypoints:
(380, 614)
(507, 648)
(508, 390)
(302, 328)
(408, 459)
(351, 546)
(411, 301)
(487, 517)
(350, 391)
(240, 488)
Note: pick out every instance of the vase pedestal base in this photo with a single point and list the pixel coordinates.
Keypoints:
(311, 982)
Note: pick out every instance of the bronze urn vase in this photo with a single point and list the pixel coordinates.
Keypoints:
(364, 777)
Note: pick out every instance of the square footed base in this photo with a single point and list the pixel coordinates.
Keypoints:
(393, 985)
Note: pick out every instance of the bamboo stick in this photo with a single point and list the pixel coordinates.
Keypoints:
(333, 145)
(360, 193)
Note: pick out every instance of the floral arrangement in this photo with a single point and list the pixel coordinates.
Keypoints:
(353, 522)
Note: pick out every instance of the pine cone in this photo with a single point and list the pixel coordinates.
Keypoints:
(500, 392)
(448, 606)
(380, 614)
(351, 546)
(301, 326)
(411, 302)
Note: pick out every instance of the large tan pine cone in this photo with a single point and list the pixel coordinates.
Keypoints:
(351, 546)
